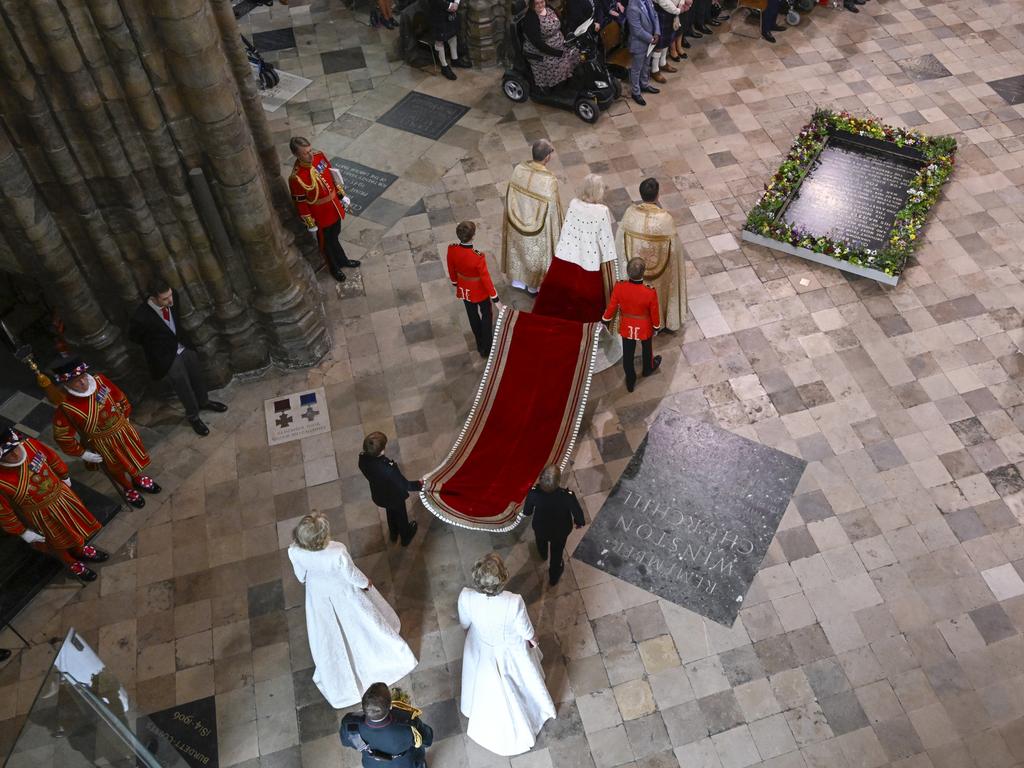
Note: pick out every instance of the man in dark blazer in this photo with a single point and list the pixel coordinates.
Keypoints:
(387, 732)
(388, 487)
(155, 326)
(555, 511)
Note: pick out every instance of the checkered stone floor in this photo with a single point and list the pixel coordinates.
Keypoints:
(886, 626)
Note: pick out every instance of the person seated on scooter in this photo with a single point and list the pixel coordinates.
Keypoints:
(543, 33)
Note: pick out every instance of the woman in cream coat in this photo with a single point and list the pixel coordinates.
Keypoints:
(503, 690)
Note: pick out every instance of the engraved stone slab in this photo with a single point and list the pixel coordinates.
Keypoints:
(692, 515)
(853, 191)
(1010, 88)
(423, 115)
(188, 729)
(925, 67)
(363, 184)
(292, 417)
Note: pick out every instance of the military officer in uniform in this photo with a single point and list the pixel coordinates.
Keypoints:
(388, 487)
(38, 505)
(467, 269)
(94, 422)
(639, 320)
(555, 510)
(317, 190)
(387, 732)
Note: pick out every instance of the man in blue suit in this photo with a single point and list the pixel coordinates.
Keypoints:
(643, 33)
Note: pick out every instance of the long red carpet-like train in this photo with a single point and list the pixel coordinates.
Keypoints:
(525, 415)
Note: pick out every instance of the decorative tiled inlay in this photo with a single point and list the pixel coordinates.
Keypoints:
(292, 417)
(692, 515)
(183, 732)
(926, 67)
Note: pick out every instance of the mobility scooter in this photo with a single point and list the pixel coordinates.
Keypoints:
(590, 89)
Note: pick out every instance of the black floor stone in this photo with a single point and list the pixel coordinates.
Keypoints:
(183, 732)
(274, 40)
(1010, 88)
(344, 60)
(692, 515)
(363, 184)
(423, 115)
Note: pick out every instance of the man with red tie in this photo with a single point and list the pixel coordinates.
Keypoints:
(93, 421)
(317, 190)
(38, 506)
(467, 269)
(639, 320)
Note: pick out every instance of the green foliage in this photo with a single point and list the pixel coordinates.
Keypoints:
(924, 190)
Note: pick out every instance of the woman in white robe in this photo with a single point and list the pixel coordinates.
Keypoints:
(353, 632)
(503, 690)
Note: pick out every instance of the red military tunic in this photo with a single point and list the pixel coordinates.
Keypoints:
(32, 495)
(639, 305)
(102, 419)
(467, 269)
(316, 196)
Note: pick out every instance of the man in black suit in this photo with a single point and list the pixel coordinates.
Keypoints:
(156, 328)
(388, 487)
(555, 510)
(387, 732)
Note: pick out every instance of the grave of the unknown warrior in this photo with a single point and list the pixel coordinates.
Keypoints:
(852, 193)
(692, 515)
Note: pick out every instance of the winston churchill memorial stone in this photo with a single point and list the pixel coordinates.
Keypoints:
(692, 515)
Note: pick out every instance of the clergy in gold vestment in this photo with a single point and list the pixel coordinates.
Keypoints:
(647, 231)
(533, 220)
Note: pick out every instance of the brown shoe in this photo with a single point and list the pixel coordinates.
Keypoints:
(668, 68)
(658, 77)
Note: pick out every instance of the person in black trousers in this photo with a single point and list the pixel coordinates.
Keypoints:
(169, 355)
(769, 21)
(554, 510)
(388, 487)
(387, 731)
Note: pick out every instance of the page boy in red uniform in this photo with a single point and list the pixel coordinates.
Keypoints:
(467, 269)
(639, 321)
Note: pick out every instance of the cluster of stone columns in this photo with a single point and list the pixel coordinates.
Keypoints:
(116, 117)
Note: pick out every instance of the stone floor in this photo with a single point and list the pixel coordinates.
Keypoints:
(885, 627)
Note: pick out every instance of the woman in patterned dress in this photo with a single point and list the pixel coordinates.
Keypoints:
(543, 32)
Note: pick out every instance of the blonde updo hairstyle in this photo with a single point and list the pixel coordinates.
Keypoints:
(490, 574)
(313, 532)
(593, 189)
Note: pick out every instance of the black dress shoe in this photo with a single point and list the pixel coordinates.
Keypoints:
(673, 57)
(695, 35)
(410, 532)
(462, 63)
(351, 263)
(199, 427)
(134, 498)
(93, 554)
(705, 30)
(650, 89)
(639, 99)
(685, 44)
(715, 23)
(4, 654)
(447, 72)
(851, 6)
(768, 36)
(778, 28)
(213, 405)
(630, 387)
(82, 573)
(655, 365)
(146, 485)
(338, 275)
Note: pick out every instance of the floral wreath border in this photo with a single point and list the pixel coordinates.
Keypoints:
(938, 151)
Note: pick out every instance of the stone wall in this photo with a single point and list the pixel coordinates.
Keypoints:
(106, 108)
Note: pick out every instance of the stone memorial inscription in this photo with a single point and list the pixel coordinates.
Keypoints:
(852, 194)
(363, 184)
(692, 515)
(424, 115)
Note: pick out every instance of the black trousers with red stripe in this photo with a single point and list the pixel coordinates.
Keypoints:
(646, 358)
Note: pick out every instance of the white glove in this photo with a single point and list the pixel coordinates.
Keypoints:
(92, 457)
(346, 201)
(31, 537)
(312, 230)
(66, 481)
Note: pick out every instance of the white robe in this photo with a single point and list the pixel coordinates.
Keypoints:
(353, 634)
(503, 690)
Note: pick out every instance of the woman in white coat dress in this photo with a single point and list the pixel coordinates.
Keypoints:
(503, 691)
(353, 632)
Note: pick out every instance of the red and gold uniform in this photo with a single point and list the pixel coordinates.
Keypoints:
(34, 497)
(102, 419)
(637, 305)
(317, 197)
(467, 269)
